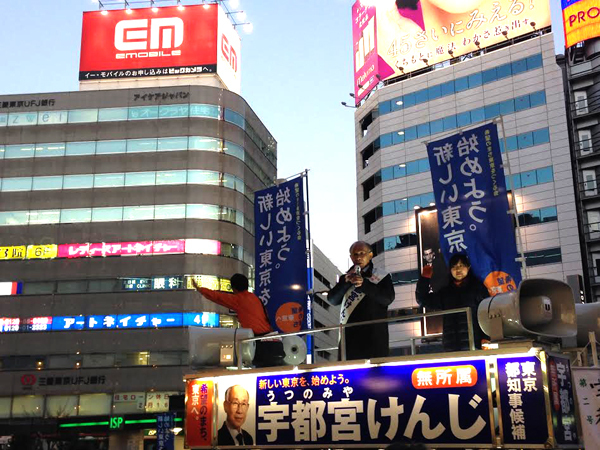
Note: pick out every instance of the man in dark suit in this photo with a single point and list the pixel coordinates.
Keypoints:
(236, 408)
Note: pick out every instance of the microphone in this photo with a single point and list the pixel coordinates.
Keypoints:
(357, 269)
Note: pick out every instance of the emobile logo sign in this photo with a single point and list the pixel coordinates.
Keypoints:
(149, 34)
(228, 53)
(228, 61)
(168, 41)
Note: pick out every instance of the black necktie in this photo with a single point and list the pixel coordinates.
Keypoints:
(240, 439)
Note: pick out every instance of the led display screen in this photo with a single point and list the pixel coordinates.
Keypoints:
(581, 19)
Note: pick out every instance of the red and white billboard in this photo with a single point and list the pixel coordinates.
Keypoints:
(151, 42)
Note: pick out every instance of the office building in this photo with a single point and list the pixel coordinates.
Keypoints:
(516, 83)
(582, 94)
(112, 199)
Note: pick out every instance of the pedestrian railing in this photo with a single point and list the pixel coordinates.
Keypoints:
(342, 330)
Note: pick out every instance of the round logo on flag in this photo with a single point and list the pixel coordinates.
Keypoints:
(499, 282)
(289, 317)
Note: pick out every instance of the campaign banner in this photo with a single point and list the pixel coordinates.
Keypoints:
(581, 20)
(586, 381)
(444, 402)
(468, 402)
(521, 400)
(562, 401)
(199, 396)
(434, 402)
(470, 194)
(281, 255)
(394, 38)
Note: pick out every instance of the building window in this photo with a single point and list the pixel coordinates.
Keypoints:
(581, 102)
(548, 256)
(405, 277)
(589, 183)
(584, 142)
(83, 115)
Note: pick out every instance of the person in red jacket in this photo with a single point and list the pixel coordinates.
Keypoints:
(251, 314)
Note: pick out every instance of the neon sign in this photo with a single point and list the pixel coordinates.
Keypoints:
(109, 322)
(105, 249)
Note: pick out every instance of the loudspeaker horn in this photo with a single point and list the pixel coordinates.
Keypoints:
(205, 345)
(539, 307)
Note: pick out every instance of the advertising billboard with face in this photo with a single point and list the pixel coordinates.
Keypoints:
(582, 20)
(153, 42)
(395, 37)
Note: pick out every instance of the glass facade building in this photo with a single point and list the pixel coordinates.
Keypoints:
(519, 85)
(111, 202)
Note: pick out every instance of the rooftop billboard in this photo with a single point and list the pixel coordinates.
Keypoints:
(395, 37)
(581, 19)
(155, 42)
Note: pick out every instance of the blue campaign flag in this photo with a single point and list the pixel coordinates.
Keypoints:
(281, 254)
(470, 194)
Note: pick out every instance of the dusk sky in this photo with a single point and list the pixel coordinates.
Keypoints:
(296, 68)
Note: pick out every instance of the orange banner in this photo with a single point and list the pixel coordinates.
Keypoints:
(198, 413)
(444, 377)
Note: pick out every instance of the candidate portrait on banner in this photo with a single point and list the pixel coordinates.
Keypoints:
(235, 412)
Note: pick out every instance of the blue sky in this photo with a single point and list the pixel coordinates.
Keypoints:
(296, 69)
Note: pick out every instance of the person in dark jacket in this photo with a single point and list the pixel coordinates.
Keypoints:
(463, 289)
(365, 294)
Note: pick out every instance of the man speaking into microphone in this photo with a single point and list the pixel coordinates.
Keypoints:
(365, 293)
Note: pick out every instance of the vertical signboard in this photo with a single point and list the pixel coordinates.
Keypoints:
(199, 396)
(281, 259)
(581, 19)
(228, 53)
(521, 400)
(587, 387)
(470, 193)
(165, 438)
(366, 59)
(562, 402)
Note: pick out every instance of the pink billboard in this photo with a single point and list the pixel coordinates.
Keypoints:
(366, 59)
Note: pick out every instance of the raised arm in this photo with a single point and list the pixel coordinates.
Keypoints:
(220, 298)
